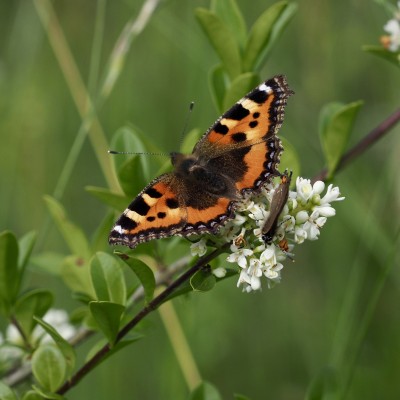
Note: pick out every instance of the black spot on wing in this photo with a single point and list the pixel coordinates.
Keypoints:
(253, 124)
(239, 137)
(237, 112)
(172, 203)
(139, 206)
(161, 215)
(155, 194)
(126, 223)
(151, 219)
(258, 96)
(256, 114)
(221, 128)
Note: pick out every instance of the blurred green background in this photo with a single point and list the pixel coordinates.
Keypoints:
(270, 344)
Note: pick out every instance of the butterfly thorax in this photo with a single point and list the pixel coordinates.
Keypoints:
(198, 172)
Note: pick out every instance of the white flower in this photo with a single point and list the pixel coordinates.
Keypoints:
(332, 194)
(239, 256)
(199, 248)
(219, 272)
(304, 188)
(392, 27)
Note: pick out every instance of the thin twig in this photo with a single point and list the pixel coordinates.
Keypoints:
(153, 305)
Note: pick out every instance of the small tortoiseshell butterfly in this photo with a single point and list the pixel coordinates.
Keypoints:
(238, 154)
(278, 201)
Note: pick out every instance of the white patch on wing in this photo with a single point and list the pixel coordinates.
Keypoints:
(118, 228)
(263, 87)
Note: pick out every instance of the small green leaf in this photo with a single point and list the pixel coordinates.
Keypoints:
(144, 274)
(99, 241)
(36, 302)
(222, 41)
(289, 158)
(131, 175)
(73, 235)
(190, 139)
(9, 274)
(392, 57)
(6, 392)
(217, 84)
(49, 367)
(25, 245)
(117, 201)
(108, 317)
(203, 280)
(229, 12)
(32, 395)
(64, 346)
(205, 391)
(75, 272)
(48, 261)
(241, 85)
(335, 125)
(108, 278)
(264, 32)
(46, 394)
(129, 138)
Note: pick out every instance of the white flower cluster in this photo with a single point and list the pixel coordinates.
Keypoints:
(302, 217)
(392, 27)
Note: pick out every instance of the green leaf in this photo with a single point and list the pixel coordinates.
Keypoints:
(48, 261)
(222, 40)
(32, 395)
(289, 158)
(36, 302)
(217, 84)
(25, 245)
(131, 175)
(49, 367)
(144, 274)
(46, 394)
(205, 391)
(99, 241)
(108, 278)
(9, 273)
(108, 317)
(117, 201)
(73, 235)
(322, 385)
(203, 280)
(190, 140)
(6, 392)
(129, 138)
(264, 33)
(335, 125)
(65, 347)
(75, 272)
(241, 85)
(392, 57)
(230, 13)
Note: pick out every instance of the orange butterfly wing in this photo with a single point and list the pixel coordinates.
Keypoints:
(238, 153)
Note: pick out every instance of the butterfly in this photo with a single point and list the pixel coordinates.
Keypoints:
(237, 155)
(278, 202)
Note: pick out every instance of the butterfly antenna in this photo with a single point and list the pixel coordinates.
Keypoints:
(188, 115)
(147, 153)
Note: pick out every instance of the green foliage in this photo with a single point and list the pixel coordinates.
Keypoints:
(335, 126)
(203, 280)
(49, 367)
(143, 273)
(108, 317)
(392, 57)
(205, 391)
(6, 393)
(34, 303)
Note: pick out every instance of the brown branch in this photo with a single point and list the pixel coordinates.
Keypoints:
(377, 133)
(153, 305)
